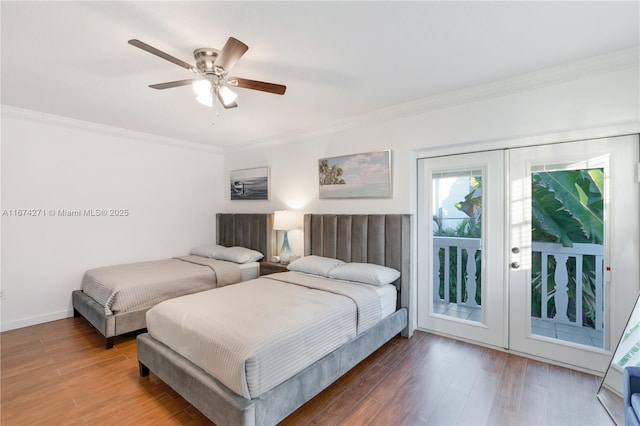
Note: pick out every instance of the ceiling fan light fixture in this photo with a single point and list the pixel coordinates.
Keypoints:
(205, 99)
(202, 87)
(227, 95)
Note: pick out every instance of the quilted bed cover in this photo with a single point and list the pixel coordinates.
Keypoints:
(129, 287)
(254, 335)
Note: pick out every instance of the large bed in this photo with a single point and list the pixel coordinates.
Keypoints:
(176, 346)
(142, 285)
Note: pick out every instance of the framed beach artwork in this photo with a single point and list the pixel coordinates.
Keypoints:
(366, 175)
(249, 184)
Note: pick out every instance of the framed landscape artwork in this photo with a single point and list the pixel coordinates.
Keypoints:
(249, 184)
(366, 175)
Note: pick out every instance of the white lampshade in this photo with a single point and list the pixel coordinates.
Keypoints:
(227, 95)
(202, 87)
(206, 99)
(285, 220)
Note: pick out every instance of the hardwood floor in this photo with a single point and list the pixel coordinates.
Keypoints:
(59, 373)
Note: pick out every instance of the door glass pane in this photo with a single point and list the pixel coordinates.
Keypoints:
(567, 233)
(457, 240)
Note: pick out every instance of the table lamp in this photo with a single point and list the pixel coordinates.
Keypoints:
(284, 220)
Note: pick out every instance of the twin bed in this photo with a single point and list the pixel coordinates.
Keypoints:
(253, 352)
(115, 299)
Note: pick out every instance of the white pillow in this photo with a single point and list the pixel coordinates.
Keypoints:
(206, 251)
(316, 265)
(238, 255)
(367, 273)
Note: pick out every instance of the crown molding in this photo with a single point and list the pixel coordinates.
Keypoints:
(9, 111)
(609, 62)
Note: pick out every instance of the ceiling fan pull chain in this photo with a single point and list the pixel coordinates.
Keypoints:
(214, 97)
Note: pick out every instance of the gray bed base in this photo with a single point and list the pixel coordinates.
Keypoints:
(380, 239)
(109, 326)
(251, 230)
(224, 407)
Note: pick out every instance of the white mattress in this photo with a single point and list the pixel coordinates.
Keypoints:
(254, 335)
(250, 270)
(388, 297)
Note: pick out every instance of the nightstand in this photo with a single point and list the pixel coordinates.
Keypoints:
(267, 268)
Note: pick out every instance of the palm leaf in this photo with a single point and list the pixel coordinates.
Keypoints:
(572, 189)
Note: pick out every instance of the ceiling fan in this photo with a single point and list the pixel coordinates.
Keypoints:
(212, 67)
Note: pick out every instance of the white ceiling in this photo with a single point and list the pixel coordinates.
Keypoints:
(337, 59)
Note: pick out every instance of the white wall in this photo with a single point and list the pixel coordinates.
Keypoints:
(594, 104)
(170, 188)
(578, 101)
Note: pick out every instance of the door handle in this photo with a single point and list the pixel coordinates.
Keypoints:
(515, 265)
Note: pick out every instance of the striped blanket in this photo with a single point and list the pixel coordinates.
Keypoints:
(254, 335)
(134, 286)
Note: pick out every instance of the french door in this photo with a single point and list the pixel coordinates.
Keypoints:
(532, 249)
(461, 246)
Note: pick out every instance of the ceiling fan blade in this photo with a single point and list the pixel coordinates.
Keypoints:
(170, 84)
(244, 83)
(232, 51)
(144, 46)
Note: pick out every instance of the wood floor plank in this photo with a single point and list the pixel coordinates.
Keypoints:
(363, 414)
(477, 407)
(339, 408)
(511, 387)
(317, 404)
(59, 373)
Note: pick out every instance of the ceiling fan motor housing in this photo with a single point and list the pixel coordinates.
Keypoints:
(205, 58)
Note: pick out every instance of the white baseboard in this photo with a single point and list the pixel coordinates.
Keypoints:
(26, 322)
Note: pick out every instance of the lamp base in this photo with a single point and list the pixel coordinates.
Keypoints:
(285, 251)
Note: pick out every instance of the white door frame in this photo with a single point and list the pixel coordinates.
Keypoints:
(491, 329)
(618, 311)
(622, 241)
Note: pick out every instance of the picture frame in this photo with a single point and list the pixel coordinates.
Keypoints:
(363, 175)
(249, 184)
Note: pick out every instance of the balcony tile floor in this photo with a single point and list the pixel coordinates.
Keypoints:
(569, 333)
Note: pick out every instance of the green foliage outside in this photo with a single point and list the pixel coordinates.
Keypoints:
(567, 208)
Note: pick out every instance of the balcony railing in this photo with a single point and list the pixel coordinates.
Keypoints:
(450, 251)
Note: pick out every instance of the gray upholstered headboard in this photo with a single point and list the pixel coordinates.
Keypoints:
(376, 238)
(251, 230)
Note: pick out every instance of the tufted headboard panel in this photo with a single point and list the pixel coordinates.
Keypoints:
(380, 239)
(251, 230)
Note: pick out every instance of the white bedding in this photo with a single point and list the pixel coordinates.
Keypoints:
(254, 335)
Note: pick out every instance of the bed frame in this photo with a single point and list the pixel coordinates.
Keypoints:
(254, 231)
(380, 239)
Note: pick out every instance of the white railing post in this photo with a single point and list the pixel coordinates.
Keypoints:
(561, 297)
(599, 292)
(472, 283)
(579, 290)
